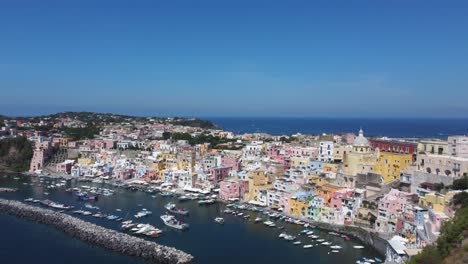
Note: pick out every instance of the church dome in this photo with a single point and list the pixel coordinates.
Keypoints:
(361, 140)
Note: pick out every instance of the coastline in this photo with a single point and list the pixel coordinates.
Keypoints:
(96, 235)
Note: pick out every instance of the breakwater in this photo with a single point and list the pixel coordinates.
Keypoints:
(97, 235)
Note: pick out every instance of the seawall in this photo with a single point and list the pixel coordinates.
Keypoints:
(97, 235)
(368, 238)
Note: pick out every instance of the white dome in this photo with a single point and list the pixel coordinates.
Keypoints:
(361, 140)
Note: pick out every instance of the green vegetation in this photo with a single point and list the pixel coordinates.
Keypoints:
(452, 233)
(460, 184)
(79, 133)
(15, 154)
(193, 122)
(202, 138)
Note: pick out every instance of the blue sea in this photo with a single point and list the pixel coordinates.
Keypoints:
(391, 127)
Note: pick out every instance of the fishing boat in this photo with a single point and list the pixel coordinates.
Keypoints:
(219, 220)
(171, 221)
(171, 207)
(143, 213)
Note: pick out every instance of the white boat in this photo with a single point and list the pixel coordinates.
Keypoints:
(358, 247)
(335, 251)
(206, 202)
(335, 247)
(219, 220)
(258, 219)
(171, 221)
(297, 243)
(171, 207)
(307, 246)
(326, 243)
(314, 236)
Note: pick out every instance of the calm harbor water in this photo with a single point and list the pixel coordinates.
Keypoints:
(237, 241)
(391, 127)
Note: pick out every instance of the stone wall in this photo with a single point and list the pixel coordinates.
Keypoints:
(97, 235)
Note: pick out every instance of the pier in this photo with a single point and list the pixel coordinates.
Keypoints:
(97, 235)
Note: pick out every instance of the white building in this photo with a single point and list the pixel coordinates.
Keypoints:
(458, 146)
(326, 151)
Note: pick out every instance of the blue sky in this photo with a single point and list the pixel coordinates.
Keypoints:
(376, 58)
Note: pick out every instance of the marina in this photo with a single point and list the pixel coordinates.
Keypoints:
(260, 229)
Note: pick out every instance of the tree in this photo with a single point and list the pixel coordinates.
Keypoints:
(166, 135)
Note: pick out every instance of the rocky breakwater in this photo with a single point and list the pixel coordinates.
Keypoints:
(97, 235)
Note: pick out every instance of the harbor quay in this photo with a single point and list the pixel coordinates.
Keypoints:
(97, 235)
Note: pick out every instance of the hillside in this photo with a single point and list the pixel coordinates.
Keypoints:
(449, 248)
(15, 154)
(106, 118)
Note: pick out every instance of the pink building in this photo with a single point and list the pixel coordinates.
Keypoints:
(230, 162)
(230, 189)
(393, 203)
(284, 202)
(219, 173)
(339, 197)
(65, 167)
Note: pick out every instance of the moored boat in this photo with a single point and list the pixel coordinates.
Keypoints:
(171, 207)
(171, 221)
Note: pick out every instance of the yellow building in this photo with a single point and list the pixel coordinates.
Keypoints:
(85, 161)
(437, 201)
(259, 177)
(390, 165)
(298, 162)
(360, 159)
(297, 208)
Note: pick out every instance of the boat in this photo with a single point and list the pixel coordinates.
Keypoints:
(206, 202)
(335, 251)
(171, 207)
(171, 221)
(60, 206)
(297, 242)
(258, 219)
(219, 220)
(307, 246)
(336, 247)
(358, 247)
(143, 213)
(112, 217)
(326, 243)
(29, 200)
(320, 240)
(309, 233)
(183, 198)
(314, 236)
(269, 223)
